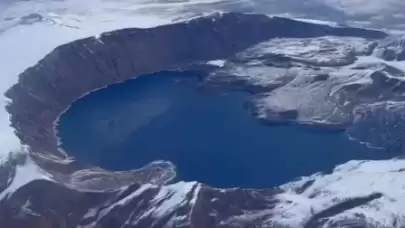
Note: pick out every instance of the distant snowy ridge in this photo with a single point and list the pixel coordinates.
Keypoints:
(314, 21)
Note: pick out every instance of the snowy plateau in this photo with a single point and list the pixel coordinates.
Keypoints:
(308, 72)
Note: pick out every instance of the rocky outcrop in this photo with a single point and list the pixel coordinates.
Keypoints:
(43, 204)
(83, 196)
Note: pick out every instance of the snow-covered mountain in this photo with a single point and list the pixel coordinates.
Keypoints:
(318, 74)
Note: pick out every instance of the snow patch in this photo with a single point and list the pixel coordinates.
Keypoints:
(218, 63)
(24, 174)
(349, 180)
(315, 21)
(173, 196)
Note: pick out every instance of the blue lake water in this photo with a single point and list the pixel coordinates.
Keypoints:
(210, 138)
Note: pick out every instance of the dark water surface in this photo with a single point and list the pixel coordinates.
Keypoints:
(210, 138)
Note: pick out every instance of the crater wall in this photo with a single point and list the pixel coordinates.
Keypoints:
(70, 71)
(97, 198)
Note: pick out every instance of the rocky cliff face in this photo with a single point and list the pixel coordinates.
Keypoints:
(73, 194)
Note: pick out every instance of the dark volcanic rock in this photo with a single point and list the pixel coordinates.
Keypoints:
(46, 204)
(85, 196)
